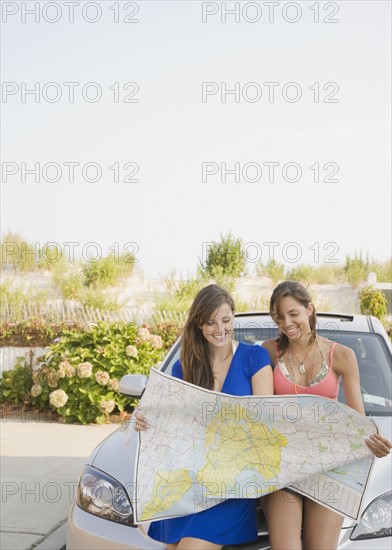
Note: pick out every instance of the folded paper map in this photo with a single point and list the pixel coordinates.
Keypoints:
(203, 447)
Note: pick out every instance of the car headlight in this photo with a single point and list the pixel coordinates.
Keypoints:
(101, 495)
(376, 520)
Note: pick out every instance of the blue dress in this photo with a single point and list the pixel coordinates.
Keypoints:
(234, 521)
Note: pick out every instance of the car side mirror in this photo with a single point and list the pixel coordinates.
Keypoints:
(132, 385)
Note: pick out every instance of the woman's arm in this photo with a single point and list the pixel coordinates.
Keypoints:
(345, 364)
(260, 371)
(270, 346)
(262, 382)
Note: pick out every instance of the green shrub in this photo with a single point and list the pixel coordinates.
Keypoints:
(179, 294)
(95, 298)
(319, 274)
(33, 332)
(219, 276)
(186, 290)
(52, 258)
(302, 273)
(80, 378)
(70, 285)
(19, 295)
(22, 255)
(372, 302)
(15, 384)
(356, 269)
(383, 270)
(225, 257)
(15, 253)
(107, 271)
(125, 265)
(273, 269)
(325, 274)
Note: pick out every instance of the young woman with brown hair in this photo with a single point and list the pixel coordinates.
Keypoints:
(304, 363)
(211, 359)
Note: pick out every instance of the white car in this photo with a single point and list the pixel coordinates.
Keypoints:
(103, 519)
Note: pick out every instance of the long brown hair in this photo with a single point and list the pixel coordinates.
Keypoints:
(301, 295)
(195, 359)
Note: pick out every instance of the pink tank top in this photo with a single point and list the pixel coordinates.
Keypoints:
(327, 387)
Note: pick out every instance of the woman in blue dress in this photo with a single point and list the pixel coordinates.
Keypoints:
(211, 359)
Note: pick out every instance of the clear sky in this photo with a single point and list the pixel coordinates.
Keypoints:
(202, 161)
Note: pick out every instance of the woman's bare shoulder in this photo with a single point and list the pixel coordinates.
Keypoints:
(270, 346)
(340, 351)
(343, 357)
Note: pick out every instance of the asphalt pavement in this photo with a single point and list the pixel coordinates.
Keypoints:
(40, 465)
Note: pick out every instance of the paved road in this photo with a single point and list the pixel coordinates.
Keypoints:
(40, 466)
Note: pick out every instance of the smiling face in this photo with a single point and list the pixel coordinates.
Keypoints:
(293, 318)
(219, 328)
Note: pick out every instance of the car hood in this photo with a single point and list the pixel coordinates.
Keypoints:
(116, 457)
(116, 454)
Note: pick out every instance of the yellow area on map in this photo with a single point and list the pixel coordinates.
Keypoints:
(169, 487)
(235, 444)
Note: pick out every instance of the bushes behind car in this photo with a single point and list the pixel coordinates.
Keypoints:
(79, 377)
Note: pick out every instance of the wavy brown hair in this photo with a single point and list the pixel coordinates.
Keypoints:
(194, 357)
(301, 295)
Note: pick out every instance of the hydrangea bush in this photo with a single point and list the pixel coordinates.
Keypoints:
(81, 373)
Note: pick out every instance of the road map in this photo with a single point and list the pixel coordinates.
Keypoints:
(203, 447)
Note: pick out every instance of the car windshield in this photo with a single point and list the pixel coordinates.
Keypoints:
(372, 356)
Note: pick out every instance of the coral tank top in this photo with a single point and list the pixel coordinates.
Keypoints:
(324, 384)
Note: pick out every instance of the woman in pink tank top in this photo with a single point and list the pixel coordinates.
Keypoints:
(304, 363)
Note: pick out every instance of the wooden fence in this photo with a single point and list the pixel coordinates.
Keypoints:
(71, 311)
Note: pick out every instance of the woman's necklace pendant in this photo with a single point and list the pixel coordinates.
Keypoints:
(301, 369)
